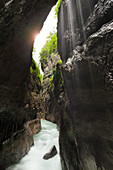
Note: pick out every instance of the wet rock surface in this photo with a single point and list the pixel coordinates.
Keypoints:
(51, 88)
(86, 48)
(51, 154)
(20, 21)
(18, 145)
(86, 117)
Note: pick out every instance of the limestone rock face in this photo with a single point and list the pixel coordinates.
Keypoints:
(20, 21)
(86, 126)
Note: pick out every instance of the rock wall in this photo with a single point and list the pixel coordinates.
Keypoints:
(18, 145)
(50, 107)
(85, 33)
(20, 22)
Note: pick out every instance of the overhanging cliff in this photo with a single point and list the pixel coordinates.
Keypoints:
(85, 34)
(20, 22)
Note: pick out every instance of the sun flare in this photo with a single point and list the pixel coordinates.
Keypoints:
(49, 25)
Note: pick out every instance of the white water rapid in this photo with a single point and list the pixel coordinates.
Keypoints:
(43, 141)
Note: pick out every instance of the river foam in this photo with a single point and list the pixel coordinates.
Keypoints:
(43, 141)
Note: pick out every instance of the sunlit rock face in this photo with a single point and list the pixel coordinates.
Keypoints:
(86, 138)
(20, 21)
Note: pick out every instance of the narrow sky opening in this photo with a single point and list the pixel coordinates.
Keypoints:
(50, 25)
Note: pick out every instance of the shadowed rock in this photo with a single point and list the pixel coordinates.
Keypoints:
(85, 128)
(50, 154)
(19, 23)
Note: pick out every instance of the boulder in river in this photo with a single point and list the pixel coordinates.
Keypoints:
(52, 153)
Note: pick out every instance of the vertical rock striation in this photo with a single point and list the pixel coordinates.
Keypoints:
(20, 22)
(52, 88)
(85, 34)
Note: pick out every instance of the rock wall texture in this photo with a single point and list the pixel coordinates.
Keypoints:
(18, 145)
(20, 21)
(49, 106)
(85, 34)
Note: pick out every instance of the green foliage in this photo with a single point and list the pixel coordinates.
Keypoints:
(49, 48)
(42, 115)
(57, 7)
(57, 80)
(59, 62)
(34, 69)
(51, 81)
(34, 50)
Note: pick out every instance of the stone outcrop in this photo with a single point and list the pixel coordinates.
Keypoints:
(18, 145)
(51, 88)
(20, 22)
(86, 137)
(51, 154)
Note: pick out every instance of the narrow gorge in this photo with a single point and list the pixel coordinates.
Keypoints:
(77, 88)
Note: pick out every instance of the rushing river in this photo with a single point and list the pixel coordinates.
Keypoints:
(43, 141)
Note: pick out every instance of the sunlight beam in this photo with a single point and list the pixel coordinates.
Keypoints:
(49, 26)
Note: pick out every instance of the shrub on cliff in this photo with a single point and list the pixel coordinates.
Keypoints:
(57, 8)
(56, 82)
(49, 48)
(35, 71)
